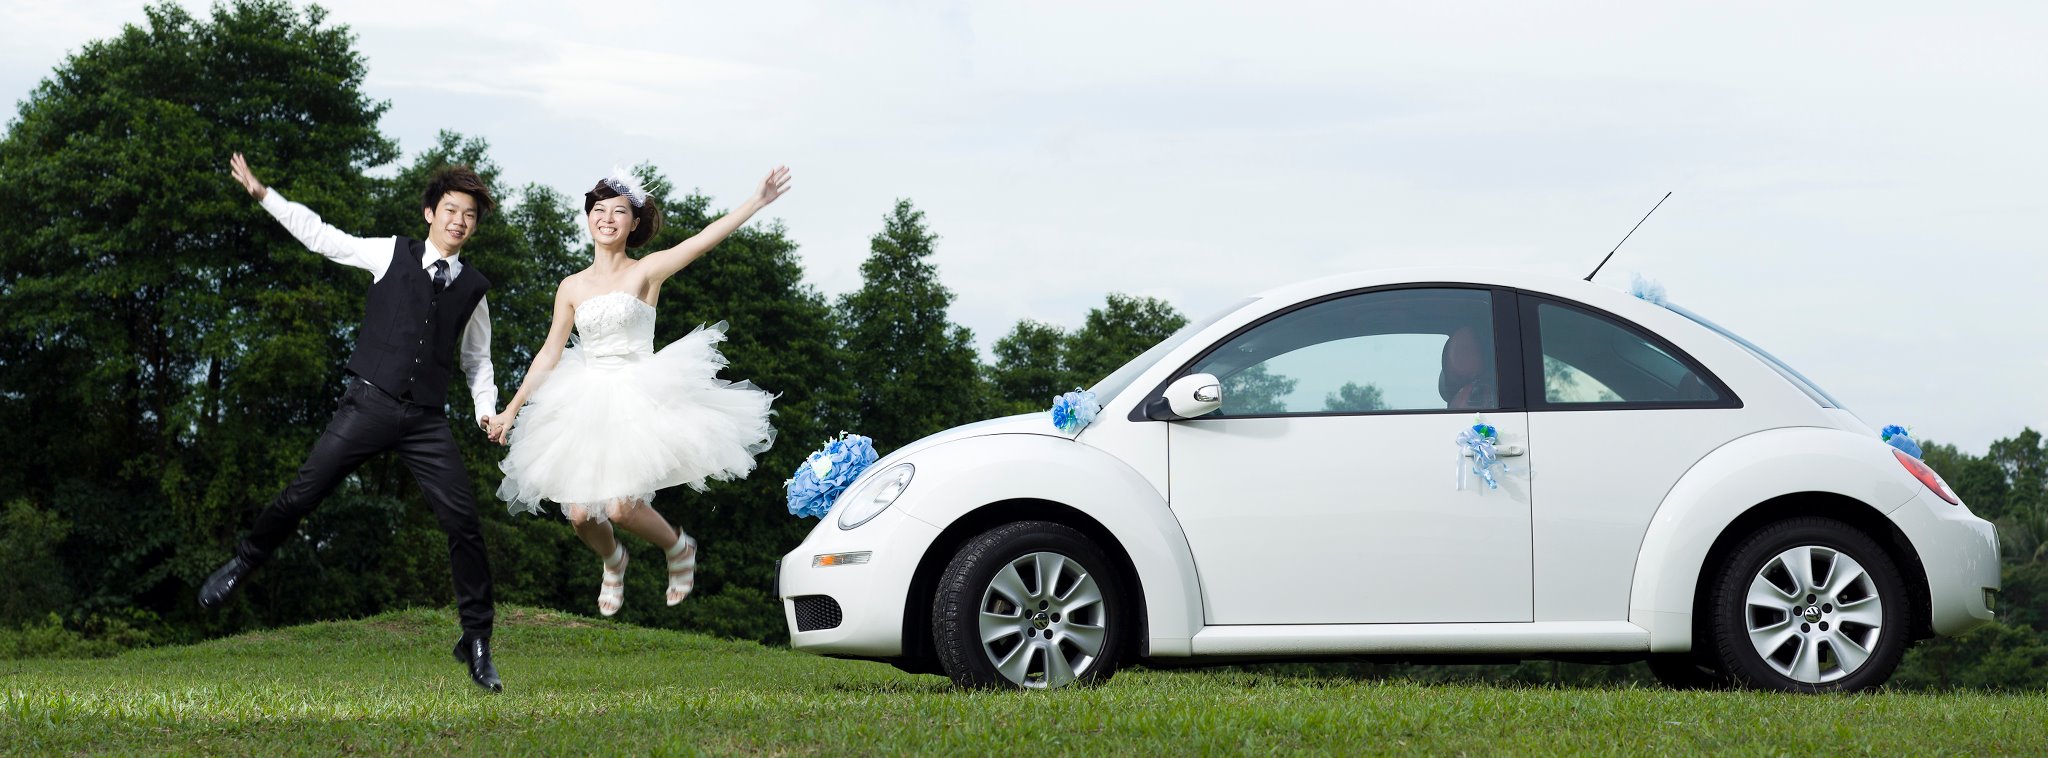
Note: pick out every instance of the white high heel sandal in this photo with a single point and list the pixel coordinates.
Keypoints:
(611, 594)
(682, 568)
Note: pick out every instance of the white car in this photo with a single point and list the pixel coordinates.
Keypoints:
(1291, 479)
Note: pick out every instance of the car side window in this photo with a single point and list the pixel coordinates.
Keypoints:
(1391, 350)
(1594, 360)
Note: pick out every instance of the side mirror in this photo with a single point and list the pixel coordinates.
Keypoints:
(1190, 396)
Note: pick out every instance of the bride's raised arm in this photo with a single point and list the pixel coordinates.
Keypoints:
(666, 263)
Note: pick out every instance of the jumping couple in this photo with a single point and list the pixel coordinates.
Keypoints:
(596, 427)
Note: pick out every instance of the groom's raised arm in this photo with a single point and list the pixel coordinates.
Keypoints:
(369, 254)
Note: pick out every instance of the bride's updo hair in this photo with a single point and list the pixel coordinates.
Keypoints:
(647, 212)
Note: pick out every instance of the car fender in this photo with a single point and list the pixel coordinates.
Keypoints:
(963, 476)
(1732, 480)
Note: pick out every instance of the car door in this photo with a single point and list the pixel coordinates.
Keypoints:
(1616, 416)
(1329, 488)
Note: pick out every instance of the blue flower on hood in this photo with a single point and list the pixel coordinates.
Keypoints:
(1073, 411)
(823, 477)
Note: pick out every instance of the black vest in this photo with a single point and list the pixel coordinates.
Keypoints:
(407, 346)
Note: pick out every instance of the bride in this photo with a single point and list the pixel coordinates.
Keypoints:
(609, 420)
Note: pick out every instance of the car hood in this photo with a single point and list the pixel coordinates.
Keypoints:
(1028, 423)
(1039, 423)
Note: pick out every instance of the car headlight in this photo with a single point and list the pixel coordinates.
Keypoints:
(876, 496)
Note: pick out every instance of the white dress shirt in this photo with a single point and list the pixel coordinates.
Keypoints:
(374, 255)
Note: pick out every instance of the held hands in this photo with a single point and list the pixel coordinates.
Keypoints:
(238, 167)
(499, 427)
(773, 186)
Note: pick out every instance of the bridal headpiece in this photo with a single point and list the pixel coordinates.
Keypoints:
(627, 185)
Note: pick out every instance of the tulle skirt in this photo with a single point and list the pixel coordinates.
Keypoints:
(604, 432)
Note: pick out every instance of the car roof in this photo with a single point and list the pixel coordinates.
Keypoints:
(1570, 288)
(1605, 297)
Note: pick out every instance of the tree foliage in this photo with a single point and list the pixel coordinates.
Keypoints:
(162, 340)
(1037, 361)
(1118, 331)
(1355, 397)
(917, 371)
(1256, 390)
(1030, 368)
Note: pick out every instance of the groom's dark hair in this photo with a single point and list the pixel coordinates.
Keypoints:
(458, 179)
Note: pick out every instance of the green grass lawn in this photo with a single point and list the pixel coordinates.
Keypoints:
(577, 685)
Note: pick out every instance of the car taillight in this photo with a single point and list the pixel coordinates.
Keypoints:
(1927, 476)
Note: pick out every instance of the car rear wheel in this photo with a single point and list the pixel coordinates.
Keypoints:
(1031, 605)
(1810, 605)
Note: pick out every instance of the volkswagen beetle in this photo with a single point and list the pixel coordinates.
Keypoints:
(1440, 463)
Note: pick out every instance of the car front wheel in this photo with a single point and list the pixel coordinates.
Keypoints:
(1032, 604)
(1810, 605)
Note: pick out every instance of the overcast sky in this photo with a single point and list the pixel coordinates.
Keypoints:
(1858, 186)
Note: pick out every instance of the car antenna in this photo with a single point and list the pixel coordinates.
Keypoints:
(1624, 238)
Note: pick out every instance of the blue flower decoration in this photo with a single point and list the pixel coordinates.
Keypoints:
(823, 476)
(1073, 411)
(1478, 443)
(1896, 436)
(1646, 290)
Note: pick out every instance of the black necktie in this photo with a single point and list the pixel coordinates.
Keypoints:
(440, 275)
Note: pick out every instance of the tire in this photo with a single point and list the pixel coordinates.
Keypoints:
(1683, 671)
(1844, 629)
(997, 623)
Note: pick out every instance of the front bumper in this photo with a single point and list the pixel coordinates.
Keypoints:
(1960, 553)
(867, 599)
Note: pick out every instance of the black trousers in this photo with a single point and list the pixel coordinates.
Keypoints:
(369, 422)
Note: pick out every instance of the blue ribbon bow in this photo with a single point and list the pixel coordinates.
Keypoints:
(1478, 444)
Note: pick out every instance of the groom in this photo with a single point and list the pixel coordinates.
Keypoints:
(424, 307)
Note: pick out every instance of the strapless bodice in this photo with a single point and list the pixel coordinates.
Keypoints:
(615, 324)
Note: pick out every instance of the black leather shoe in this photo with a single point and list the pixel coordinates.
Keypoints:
(475, 652)
(223, 583)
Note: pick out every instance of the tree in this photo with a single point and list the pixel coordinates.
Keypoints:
(1564, 383)
(917, 371)
(28, 552)
(1255, 390)
(1118, 331)
(1354, 397)
(1037, 361)
(1030, 368)
(1977, 480)
(161, 340)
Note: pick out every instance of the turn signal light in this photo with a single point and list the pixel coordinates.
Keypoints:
(841, 559)
(1927, 476)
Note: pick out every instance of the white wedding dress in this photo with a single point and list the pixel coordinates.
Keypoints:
(616, 420)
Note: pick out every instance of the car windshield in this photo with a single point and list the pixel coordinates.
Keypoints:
(1118, 380)
(1791, 374)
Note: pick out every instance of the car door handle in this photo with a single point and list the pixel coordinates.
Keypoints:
(1504, 451)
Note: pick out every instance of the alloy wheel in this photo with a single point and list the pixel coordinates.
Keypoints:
(1043, 621)
(1814, 614)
